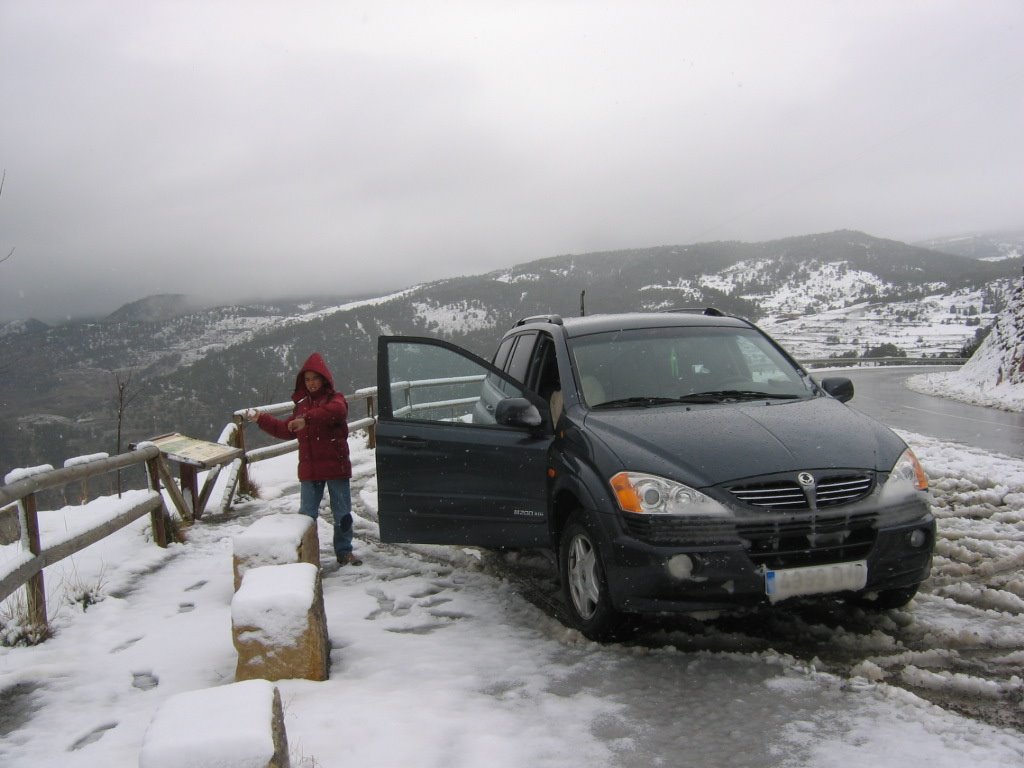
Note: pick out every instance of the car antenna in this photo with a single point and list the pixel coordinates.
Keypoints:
(583, 311)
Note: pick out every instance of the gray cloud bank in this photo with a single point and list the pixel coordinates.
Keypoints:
(239, 149)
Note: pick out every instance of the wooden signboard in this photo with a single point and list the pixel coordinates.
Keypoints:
(192, 455)
(196, 453)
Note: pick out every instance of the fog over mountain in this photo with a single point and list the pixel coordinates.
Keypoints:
(235, 151)
(840, 293)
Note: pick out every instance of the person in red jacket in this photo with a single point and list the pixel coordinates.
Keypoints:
(318, 423)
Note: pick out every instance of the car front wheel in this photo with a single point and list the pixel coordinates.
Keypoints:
(584, 585)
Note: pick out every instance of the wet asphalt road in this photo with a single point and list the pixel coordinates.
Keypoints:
(881, 394)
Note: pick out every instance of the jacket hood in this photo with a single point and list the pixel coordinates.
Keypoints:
(316, 364)
(707, 446)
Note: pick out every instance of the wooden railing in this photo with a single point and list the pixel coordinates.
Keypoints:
(28, 569)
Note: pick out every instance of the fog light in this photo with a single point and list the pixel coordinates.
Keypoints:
(680, 566)
(918, 539)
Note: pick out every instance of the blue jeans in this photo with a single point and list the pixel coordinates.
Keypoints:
(310, 494)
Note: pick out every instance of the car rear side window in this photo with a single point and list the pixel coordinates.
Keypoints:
(519, 362)
(501, 356)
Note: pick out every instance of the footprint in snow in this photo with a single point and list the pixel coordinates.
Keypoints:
(126, 644)
(94, 735)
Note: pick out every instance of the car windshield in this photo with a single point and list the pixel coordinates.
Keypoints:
(661, 366)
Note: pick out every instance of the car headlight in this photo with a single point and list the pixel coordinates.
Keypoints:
(652, 495)
(906, 477)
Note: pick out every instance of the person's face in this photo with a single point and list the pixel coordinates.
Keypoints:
(314, 382)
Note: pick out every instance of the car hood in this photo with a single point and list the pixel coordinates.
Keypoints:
(707, 445)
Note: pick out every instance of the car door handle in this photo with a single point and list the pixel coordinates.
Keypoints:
(410, 442)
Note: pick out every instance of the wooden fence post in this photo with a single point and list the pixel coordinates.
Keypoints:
(172, 489)
(160, 519)
(244, 482)
(371, 431)
(35, 591)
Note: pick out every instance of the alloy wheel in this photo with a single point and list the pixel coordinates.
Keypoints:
(582, 572)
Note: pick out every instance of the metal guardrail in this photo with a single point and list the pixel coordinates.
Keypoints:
(408, 387)
(848, 362)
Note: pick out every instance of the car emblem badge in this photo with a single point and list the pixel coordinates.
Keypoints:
(806, 479)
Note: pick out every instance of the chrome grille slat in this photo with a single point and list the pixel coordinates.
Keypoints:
(785, 494)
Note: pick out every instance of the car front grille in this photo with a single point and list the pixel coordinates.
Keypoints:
(786, 494)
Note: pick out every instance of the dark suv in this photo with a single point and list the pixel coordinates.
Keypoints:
(675, 462)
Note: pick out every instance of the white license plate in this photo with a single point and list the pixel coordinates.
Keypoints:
(815, 580)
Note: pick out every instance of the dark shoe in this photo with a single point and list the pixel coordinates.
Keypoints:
(349, 558)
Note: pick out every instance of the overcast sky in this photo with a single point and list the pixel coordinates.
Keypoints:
(268, 148)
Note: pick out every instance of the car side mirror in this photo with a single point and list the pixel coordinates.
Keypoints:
(840, 387)
(517, 412)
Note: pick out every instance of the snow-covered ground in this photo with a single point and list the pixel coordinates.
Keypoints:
(969, 389)
(441, 658)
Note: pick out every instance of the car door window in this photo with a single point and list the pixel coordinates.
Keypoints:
(433, 382)
(543, 377)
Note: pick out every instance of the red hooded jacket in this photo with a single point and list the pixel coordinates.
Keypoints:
(323, 443)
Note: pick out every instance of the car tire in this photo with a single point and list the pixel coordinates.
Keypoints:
(886, 599)
(584, 585)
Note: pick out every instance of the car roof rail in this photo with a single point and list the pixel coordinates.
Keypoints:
(553, 319)
(711, 311)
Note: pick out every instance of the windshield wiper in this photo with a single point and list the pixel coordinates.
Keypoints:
(733, 394)
(630, 402)
(713, 396)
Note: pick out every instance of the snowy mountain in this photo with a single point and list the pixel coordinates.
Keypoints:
(153, 309)
(988, 247)
(821, 295)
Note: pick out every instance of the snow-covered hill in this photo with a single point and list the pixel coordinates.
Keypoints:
(994, 375)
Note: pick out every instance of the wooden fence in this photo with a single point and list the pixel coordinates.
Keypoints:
(28, 571)
(18, 500)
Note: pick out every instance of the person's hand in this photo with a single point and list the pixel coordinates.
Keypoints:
(296, 424)
(252, 414)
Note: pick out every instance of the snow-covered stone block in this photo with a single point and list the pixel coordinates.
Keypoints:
(276, 540)
(240, 725)
(278, 624)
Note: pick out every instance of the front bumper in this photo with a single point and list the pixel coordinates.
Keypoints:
(648, 576)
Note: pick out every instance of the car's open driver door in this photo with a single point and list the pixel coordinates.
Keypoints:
(461, 449)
